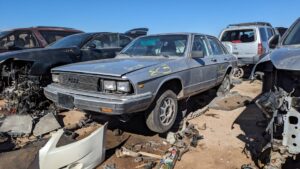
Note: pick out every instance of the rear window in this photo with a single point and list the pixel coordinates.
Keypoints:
(239, 36)
(52, 36)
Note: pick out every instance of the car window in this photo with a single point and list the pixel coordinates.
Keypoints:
(76, 40)
(199, 45)
(52, 36)
(238, 36)
(270, 32)
(293, 36)
(216, 47)
(124, 40)
(105, 41)
(21, 39)
(263, 34)
(158, 45)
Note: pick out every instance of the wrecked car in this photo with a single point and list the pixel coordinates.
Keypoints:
(150, 75)
(33, 37)
(25, 73)
(280, 71)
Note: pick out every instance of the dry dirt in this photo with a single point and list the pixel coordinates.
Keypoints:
(225, 135)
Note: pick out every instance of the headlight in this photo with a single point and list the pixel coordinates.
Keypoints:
(123, 87)
(55, 78)
(109, 85)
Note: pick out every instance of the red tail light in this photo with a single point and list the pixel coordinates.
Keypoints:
(260, 49)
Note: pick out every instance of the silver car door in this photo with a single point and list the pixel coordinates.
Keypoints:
(221, 55)
(202, 66)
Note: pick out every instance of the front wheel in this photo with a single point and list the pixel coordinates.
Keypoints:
(164, 113)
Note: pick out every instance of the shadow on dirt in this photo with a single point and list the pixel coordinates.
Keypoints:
(136, 123)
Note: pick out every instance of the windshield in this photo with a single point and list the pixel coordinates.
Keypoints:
(161, 45)
(76, 40)
(4, 33)
(293, 38)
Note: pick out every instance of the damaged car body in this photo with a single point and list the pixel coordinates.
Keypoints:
(150, 75)
(280, 71)
(25, 73)
(86, 153)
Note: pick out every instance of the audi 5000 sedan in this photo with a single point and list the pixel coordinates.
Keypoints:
(149, 75)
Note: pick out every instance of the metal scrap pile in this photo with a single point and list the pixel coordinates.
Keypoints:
(151, 154)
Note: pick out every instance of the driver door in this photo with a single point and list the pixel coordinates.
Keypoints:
(103, 46)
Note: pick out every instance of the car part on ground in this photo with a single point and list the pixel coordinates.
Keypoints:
(230, 101)
(150, 80)
(86, 153)
(46, 124)
(17, 125)
(25, 73)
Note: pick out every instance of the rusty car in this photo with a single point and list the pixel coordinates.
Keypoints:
(24, 73)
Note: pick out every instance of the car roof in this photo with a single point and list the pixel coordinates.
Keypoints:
(176, 33)
(53, 28)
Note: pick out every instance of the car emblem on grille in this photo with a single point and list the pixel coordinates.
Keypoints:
(73, 80)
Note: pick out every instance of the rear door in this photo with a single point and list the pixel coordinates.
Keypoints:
(240, 42)
(202, 70)
(221, 55)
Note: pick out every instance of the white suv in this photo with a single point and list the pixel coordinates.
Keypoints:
(247, 41)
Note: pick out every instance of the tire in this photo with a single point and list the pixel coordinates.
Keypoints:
(225, 86)
(239, 73)
(165, 105)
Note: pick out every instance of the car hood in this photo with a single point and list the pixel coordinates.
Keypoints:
(286, 58)
(110, 67)
(39, 54)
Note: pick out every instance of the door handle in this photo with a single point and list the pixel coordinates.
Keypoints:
(226, 59)
(213, 59)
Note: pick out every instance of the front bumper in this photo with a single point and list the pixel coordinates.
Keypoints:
(96, 102)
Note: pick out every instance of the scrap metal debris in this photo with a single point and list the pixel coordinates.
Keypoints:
(17, 125)
(46, 124)
(230, 102)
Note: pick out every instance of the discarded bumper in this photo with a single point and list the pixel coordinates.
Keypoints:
(110, 104)
(83, 154)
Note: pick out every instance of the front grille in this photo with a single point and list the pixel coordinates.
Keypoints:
(77, 81)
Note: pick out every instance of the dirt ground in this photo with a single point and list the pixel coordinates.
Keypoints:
(225, 135)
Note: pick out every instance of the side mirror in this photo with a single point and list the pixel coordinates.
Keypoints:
(197, 54)
(273, 41)
(91, 46)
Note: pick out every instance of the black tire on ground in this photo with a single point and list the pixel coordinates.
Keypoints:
(162, 115)
(225, 86)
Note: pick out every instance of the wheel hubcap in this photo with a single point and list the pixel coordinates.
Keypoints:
(167, 111)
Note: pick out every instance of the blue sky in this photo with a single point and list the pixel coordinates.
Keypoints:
(208, 16)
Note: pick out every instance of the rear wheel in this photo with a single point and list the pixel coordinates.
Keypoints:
(164, 112)
(225, 86)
